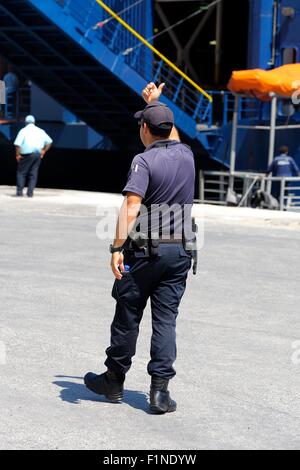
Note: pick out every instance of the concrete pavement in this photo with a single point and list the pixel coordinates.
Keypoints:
(238, 382)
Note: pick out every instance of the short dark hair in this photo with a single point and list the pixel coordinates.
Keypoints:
(284, 149)
(160, 132)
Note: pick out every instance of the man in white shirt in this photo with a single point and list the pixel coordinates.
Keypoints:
(32, 143)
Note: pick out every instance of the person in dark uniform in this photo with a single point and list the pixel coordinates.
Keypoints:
(283, 166)
(149, 259)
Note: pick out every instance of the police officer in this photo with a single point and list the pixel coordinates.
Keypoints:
(283, 166)
(32, 144)
(152, 263)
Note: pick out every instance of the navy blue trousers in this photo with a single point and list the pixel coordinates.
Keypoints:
(28, 169)
(162, 280)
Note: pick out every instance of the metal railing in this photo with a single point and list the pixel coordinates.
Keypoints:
(249, 108)
(17, 104)
(139, 56)
(214, 188)
(220, 113)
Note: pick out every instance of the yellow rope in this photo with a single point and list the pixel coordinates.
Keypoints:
(161, 56)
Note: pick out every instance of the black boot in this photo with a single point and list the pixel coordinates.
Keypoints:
(109, 384)
(160, 400)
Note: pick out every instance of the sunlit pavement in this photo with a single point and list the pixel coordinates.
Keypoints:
(238, 381)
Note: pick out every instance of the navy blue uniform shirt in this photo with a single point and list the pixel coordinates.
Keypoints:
(284, 166)
(164, 175)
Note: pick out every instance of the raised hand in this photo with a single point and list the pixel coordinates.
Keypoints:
(152, 92)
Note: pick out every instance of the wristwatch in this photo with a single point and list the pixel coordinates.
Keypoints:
(113, 250)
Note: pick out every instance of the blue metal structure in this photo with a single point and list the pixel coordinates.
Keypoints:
(261, 22)
(274, 37)
(97, 72)
(273, 41)
(288, 31)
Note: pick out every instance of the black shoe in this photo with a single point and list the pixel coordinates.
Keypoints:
(160, 400)
(109, 384)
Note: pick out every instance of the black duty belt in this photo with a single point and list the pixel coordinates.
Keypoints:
(142, 243)
(152, 245)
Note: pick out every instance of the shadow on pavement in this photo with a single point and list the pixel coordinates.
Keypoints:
(74, 393)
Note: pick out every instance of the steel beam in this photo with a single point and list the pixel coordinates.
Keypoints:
(272, 136)
(171, 33)
(219, 32)
(234, 141)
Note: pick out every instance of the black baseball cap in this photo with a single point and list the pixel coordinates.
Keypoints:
(157, 115)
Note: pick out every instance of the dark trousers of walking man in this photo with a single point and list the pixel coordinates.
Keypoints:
(28, 169)
(163, 280)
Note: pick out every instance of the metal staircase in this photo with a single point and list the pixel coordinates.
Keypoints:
(95, 67)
